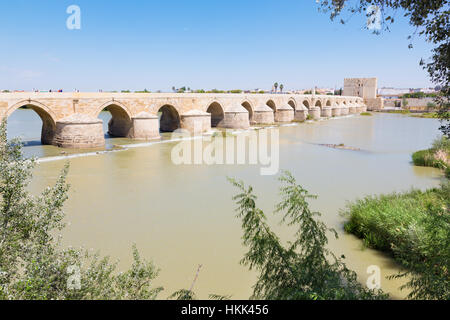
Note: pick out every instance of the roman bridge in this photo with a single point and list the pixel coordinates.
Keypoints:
(70, 120)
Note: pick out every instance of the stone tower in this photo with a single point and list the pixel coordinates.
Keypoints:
(365, 88)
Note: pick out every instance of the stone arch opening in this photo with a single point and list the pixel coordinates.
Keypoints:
(169, 118)
(318, 104)
(272, 105)
(217, 114)
(17, 120)
(328, 104)
(120, 123)
(248, 107)
(292, 104)
(306, 104)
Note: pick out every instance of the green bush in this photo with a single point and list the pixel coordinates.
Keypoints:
(442, 143)
(366, 114)
(415, 228)
(425, 158)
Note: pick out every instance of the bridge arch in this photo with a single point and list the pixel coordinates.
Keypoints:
(306, 104)
(272, 105)
(328, 103)
(217, 113)
(293, 104)
(120, 123)
(169, 118)
(248, 106)
(44, 112)
(318, 104)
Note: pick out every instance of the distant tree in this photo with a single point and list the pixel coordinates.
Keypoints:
(275, 85)
(281, 87)
(174, 89)
(431, 18)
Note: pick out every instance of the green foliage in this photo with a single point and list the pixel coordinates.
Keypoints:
(125, 91)
(366, 114)
(415, 228)
(420, 95)
(426, 115)
(32, 263)
(235, 91)
(302, 269)
(400, 111)
(183, 294)
(404, 102)
(424, 158)
(431, 158)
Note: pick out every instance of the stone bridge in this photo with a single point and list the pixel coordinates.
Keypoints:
(70, 120)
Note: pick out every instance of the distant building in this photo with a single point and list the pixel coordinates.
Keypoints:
(392, 92)
(365, 88)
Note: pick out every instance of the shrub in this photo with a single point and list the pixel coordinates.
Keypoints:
(424, 158)
(366, 114)
(415, 228)
(303, 268)
(32, 263)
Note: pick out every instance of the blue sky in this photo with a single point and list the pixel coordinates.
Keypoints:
(198, 43)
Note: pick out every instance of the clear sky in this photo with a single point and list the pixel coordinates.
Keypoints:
(204, 44)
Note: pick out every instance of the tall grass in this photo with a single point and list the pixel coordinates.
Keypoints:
(415, 228)
(437, 156)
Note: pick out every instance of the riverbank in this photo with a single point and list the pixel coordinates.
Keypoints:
(414, 227)
(438, 156)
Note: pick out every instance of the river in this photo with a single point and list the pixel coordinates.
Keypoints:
(181, 216)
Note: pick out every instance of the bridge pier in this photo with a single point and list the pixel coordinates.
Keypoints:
(352, 109)
(326, 112)
(301, 115)
(196, 121)
(284, 114)
(314, 112)
(263, 114)
(235, 117)
(145, 127)
(344, 111)
(335, 112)
(79, 132)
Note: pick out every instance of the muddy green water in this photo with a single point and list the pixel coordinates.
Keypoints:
(183, 216)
